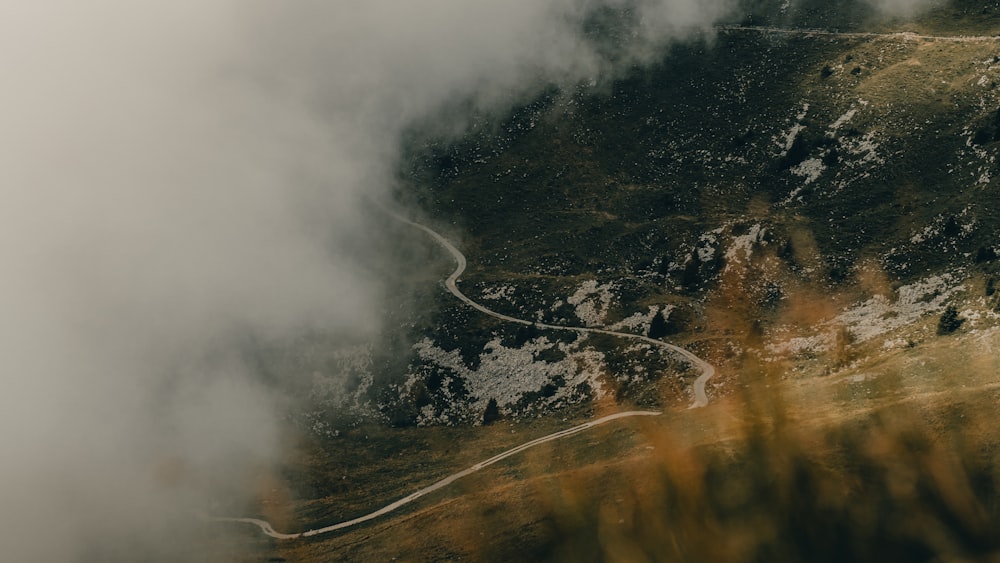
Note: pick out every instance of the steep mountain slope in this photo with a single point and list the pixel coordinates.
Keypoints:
(798, 207)
(772, 192)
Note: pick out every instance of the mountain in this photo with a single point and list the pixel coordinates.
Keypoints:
(805, 198)
(781, 193)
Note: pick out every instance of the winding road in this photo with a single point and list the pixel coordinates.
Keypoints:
(700, 400)
(269, 530)
(451, 283)
(707, 371)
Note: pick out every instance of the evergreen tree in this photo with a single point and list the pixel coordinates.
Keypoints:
(657, 326)
(525, 333)
(689, 276)
(678, 320)
(949, 321)
(492, 412)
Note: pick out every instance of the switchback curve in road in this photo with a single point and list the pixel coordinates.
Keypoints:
(451, 283)
(700, 398)
(707, 371)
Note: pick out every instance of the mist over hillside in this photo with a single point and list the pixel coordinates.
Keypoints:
(193, 270)
(183, 185)
(770, 192)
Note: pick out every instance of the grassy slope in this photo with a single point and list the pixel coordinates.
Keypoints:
(611, 185)
(618, 185)
(877, 462)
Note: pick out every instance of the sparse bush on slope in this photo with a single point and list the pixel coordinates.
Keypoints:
(949, 321)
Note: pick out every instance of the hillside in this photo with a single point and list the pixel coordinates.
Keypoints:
(795, 201)
(764, 189)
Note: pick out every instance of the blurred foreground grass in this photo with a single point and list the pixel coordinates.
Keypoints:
(895, 459)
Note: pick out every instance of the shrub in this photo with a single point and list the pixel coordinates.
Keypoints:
(492, 412)
(658, 326)
(949, 321)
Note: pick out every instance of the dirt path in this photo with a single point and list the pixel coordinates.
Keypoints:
(900, 35)
(707, 371)
(269, 530)
(700, 400)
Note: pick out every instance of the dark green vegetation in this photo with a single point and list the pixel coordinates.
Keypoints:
(737, 177)
(736, 180)
(949, 321)
(625, 180)
(755, 186)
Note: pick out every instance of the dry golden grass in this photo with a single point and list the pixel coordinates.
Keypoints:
(901, 465)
